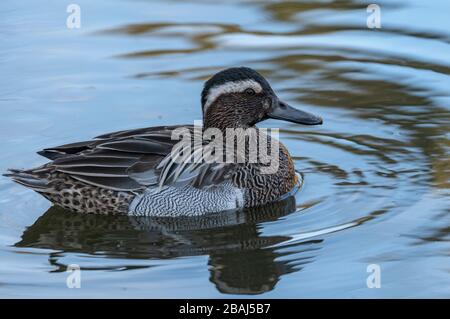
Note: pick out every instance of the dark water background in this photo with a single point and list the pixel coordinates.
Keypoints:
(376, 173)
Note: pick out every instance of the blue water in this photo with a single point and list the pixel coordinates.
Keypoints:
(376, 173)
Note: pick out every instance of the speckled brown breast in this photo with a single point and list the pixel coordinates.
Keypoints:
(260, 188)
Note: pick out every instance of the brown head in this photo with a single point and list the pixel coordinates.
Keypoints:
(241, 97)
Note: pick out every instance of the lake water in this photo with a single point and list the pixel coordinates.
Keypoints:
(376, 190)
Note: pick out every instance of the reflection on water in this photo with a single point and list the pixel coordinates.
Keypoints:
(232, 241)
(376, 173)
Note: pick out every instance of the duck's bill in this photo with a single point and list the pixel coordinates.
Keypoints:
(285, 112)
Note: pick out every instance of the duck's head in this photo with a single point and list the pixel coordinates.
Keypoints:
(241, 97)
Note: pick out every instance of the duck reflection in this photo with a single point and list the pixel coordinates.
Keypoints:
(241, 259)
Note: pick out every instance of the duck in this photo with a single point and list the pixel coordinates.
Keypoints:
(140, 172)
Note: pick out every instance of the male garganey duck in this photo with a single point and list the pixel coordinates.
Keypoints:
(134, 171)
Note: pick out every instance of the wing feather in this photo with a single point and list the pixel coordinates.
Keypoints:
(137, 145)
(131, 160)
(123, 160)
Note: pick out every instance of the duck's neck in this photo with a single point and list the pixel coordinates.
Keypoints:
(223, 117)
(223, 126)
(223, 123)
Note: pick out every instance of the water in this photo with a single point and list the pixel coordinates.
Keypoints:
(376, 173)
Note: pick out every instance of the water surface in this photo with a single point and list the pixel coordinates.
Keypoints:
(376, 173)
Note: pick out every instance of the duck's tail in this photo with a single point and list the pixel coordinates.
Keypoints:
(36, 179)
(70, 193)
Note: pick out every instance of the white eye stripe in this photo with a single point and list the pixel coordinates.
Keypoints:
(230, 87)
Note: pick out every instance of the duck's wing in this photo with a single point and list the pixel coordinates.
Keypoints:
(135, 159)
(152, 134)
(196, 162)
(123, 160)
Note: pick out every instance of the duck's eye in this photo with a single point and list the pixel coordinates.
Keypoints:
(249, 91)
